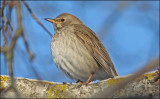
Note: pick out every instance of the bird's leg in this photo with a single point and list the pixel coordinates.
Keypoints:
(86, 82)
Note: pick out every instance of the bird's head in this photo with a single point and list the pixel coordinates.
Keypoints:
(64, 19)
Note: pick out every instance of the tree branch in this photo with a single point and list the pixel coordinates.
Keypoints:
(30, 11)
(8, 51)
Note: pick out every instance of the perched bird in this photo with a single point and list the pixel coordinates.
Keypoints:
(78, 52)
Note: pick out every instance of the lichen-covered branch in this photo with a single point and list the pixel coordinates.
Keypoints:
(108, 91)
(140, 87)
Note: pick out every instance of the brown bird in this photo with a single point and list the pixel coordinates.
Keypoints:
(78, 52)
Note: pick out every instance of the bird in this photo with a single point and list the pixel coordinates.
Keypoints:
(78, 52)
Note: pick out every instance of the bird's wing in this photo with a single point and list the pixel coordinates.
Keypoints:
(95, 48)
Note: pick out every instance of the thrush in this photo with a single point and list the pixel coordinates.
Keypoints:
(77, 51)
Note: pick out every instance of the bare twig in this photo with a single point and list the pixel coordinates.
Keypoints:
(30, 11)
(35, 73)
(113, 17)
(110, 90)
(8, 22)
(8, 51)
(1, 11)
(31, 56)
(2, 14)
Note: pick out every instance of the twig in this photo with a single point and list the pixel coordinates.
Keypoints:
(2, 14)
(3, 5)
(113, 17)
(7, 22)
(31, 56)
(35, 72)
(110, 90)
(8, 51)
(30, 11)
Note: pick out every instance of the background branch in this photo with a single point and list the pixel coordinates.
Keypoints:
(31, 56)
(113, 17)
(2, 18)
(8, 51)
(30, 11)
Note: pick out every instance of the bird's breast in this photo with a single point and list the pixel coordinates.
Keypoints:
(71, 56)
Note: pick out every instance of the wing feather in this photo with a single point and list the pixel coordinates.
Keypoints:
(95, 48)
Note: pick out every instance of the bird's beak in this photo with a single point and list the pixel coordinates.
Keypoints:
(52, 20)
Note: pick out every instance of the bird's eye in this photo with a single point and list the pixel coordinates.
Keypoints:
(62, 20)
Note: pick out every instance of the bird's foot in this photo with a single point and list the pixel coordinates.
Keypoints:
(83, 83)
(86, 82)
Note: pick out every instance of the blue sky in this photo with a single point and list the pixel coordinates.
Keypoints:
(128, 30)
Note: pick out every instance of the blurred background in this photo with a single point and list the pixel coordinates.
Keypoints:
(129, 30)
